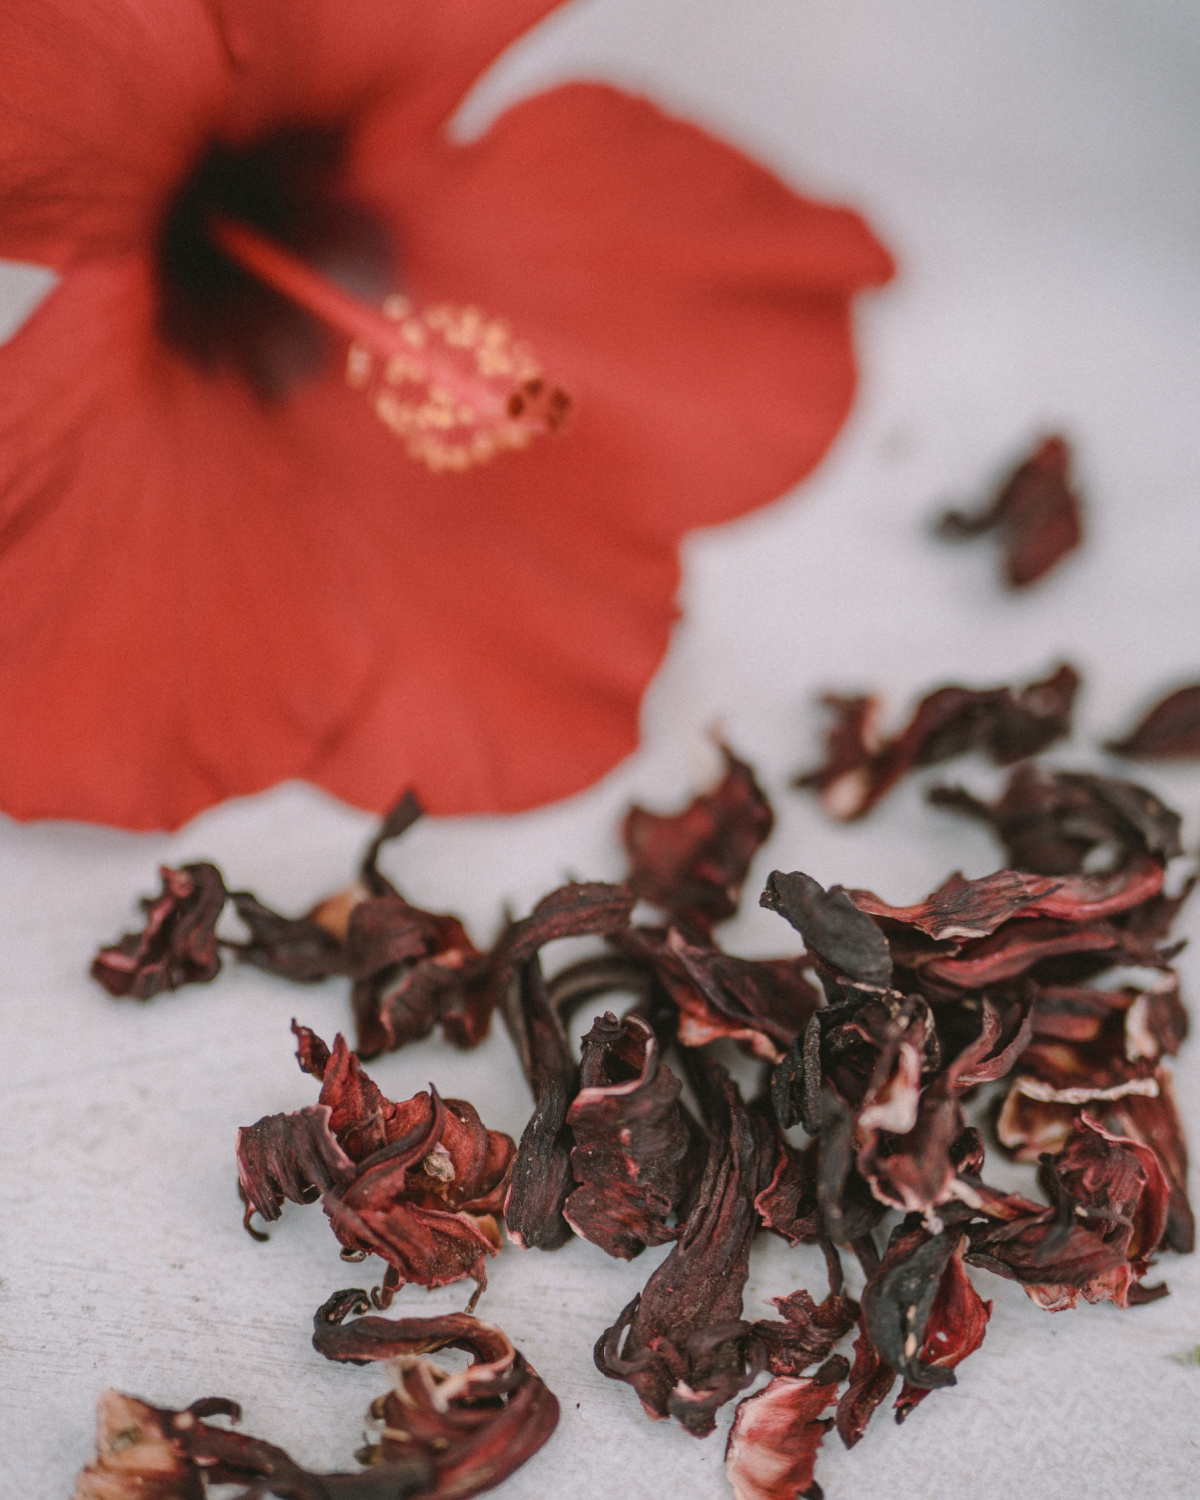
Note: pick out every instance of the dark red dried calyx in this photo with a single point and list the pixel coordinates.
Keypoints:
(418, 1183)
(1170, 731)
(776, 1435)
(1052, 822)
(147, 1452)
(1036, 514)
(1007, 724)
(178, 944)
(542, 1177)
(472, 1429)
(692, 864)
(634, 1150)
(682, 1343)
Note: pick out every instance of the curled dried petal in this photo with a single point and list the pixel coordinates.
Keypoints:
(178, 944)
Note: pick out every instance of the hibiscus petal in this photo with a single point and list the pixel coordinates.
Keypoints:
(103, 107)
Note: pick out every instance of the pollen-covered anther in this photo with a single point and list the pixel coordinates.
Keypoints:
(459, 390)
(453, 384)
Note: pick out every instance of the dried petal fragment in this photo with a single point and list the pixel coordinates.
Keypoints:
(692, 864)
(542, 1173)
(808, 1333)
(871, 1378)
(1008, 724)
(832, 927)
(295, 948)
(178, 944)
(633, 1145)
(1036, 512)
(293, 1157)
(1170, 731)
(773, 1443)
(955, 1328)
(473, 1428)
(765, 1003)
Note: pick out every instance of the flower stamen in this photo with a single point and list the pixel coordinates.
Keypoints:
(453, 384)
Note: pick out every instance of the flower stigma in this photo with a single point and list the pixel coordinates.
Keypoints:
(451, 383)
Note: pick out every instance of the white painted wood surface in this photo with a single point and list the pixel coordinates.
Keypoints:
(1033, 164)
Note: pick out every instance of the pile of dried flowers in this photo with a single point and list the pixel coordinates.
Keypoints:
(875, 1038)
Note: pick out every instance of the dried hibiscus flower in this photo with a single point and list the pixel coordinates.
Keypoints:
(1036, 513)
(420, 1183)
(1170, 731)
(681, 1343)
(178, 944)
(471, 1429)
(1005, 723)
(692, 864)
(146, 1452)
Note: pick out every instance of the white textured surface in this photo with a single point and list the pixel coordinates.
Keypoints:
(1033, 165)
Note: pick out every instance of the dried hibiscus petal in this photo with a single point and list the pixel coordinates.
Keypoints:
(1036, 513)
(773, 1443)
(178, 944)
(542, 1176)
(808, 1332)
(955, 1327)
(840, 935)
(146, 1452)
(295, 948)
(764, 1003)
(681, 1343)
(633, 1146)
(473, 1428)
(1170, 731)
(1008, 724)
(693, 864)
(293, 1157)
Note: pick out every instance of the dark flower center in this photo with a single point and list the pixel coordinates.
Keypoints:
(288, 186)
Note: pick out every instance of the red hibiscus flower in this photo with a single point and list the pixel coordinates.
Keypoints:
(220, 568)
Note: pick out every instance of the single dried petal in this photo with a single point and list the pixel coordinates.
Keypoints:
(693, 864)
(1036, 512)
(178, 944)
(871, 1378)
(293, 1157)
(295, 948)
(832, 927)
(955, 1328)
(633, 1145)
(137, 1456)
(964, 908)
(773, 1443)
(153, 1453)
(765, 1003)
(808, 1333)
(1170, 731)
(542, 1178)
